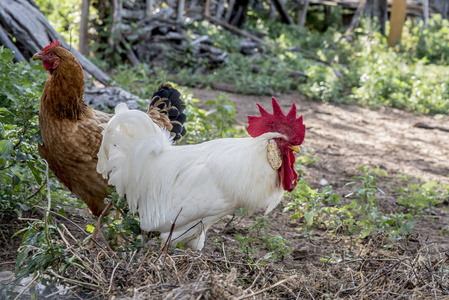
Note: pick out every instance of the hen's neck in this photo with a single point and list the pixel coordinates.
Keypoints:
(63, 92)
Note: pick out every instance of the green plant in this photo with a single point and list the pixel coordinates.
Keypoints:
(246, 245)
(141, 80)
(277, 246)
(312, 204)
(20, 168)
(63, 16)
(366, 206)
(421, 198)
(22, 172)
(125, 227)
(259, 239)
(217, 122)
(361, 216)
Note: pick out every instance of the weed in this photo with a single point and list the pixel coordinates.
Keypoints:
(362, 215)
(259, 239)
(421, 198)
(217, 122)
(309, 204)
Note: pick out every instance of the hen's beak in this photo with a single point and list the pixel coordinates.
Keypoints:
(37, 56)
(295, 148)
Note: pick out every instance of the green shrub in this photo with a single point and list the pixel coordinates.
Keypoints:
(21, 171)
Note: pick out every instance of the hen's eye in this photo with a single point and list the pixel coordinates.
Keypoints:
(280, 139)
(51, 54)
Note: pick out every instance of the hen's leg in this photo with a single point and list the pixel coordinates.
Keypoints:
(98, 235)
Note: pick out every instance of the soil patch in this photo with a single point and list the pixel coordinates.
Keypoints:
(323, 264)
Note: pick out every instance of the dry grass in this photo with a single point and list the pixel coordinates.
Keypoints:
(414, 268)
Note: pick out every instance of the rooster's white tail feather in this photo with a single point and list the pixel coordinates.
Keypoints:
(130, 139)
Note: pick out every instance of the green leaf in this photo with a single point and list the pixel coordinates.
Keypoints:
(15, 180)
(309, 217)
(90, 228)
(295, 216)
(35, 172)
(61, 211)
(6, 148)
(3, 111)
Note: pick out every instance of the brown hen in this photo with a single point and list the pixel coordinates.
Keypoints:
(70, 128)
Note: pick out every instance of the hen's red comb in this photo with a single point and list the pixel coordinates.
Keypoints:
(287, 125)
(55, 43)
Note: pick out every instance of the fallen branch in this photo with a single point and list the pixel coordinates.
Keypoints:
(424, 125)
(268, 288)
(234, 29)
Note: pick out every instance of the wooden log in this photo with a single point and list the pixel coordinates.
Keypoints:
(225, 87)
(234, 29)
(132, 14)
(29, 26)
(133, 57)
(283, 12)
(181, 5)
(4, 40)
(397, 19)
(207, 8)
(149, 8)
(105, 99)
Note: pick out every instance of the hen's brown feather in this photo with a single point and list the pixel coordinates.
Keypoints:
(71, 133)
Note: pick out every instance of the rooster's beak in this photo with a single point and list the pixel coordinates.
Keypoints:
(295, 148)
(37, 56)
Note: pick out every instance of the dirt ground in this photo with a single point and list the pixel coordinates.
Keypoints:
(345, 137)
(342, 138)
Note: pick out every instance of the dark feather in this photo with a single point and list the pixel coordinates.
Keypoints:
(167, 100)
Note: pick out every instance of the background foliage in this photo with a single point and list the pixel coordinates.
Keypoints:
(412, 76)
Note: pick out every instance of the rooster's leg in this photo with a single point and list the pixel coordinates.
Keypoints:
(98, 234)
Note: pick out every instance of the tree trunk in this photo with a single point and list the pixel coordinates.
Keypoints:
(181, 6)
(240, 13)
(149, 8)
(440, 6)
(32, 32)
(283, 12)
(303, 5)
(425, 13)
(229, 11)
(397, 19)
(377, 10)
(83, 34)
(115, 37)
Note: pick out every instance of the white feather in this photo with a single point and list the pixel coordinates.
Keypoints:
(206, 181)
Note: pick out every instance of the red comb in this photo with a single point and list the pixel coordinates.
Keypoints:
(287, 125)
(55, 43)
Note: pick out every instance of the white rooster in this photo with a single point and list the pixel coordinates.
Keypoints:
(201, 182)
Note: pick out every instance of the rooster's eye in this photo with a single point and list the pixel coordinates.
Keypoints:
(280, 140)
(51, 54)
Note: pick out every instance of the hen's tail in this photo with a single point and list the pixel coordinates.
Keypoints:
(166, 110)
(131, 140)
